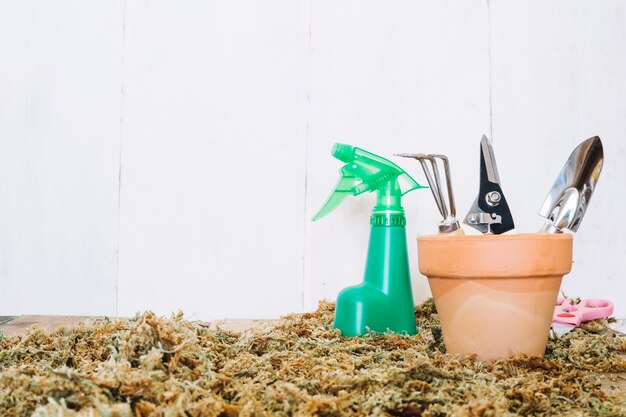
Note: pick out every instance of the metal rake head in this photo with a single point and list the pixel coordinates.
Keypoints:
(449, 223)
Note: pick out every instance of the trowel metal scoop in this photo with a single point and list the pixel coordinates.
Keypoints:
(567, 201)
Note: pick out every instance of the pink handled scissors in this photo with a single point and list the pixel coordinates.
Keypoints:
(567, 313)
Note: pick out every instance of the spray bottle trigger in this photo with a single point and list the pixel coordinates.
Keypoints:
(365, 172)
(344, 188)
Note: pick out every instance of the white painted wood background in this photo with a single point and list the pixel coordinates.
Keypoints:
(169, 154)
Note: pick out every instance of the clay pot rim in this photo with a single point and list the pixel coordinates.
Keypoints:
(501, 276)
(511, 256)
(519, 236)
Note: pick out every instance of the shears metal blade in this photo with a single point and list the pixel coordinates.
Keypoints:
(490, 213)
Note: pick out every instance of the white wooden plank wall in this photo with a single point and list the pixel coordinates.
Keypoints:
(413, 77)
(60, 78)
(169, 155)
(558, 78)
(213, 150)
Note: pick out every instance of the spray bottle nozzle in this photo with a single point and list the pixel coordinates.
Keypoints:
(365, 172)
(345, 153)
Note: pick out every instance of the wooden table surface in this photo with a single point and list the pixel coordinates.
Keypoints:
(19, 325)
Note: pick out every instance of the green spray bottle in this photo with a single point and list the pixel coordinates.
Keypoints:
(384, 301)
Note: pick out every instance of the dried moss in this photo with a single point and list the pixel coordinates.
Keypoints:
(151, 366)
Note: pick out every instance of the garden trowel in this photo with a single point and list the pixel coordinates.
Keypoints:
(567, 201)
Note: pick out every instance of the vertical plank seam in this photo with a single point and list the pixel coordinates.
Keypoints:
(305, 246)
(119, 166)
(489, 51)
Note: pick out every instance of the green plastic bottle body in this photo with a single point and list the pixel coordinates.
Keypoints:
(384, 301)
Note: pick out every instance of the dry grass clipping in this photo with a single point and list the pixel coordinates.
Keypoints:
(151, 366)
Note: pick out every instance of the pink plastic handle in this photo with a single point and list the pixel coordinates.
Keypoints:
(566, 312)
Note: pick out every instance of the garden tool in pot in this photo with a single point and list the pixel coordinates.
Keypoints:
(450, 223)
(490, 212)
(569, 197)
(384, 301)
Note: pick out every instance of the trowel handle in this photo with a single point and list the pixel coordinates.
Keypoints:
(457, 232)
(548, 227)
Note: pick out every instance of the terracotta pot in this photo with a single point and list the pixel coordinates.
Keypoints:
(495, 294)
